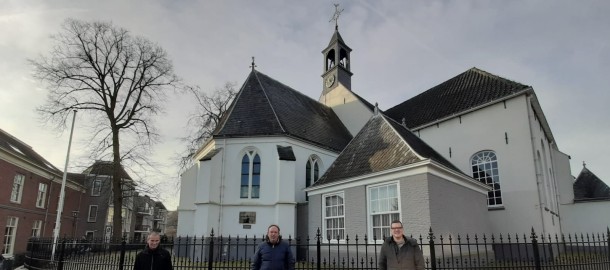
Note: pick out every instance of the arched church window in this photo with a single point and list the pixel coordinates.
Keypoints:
(250, 175)
(312, 171)
(485, 170)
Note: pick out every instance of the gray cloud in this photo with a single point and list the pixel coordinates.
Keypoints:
(401, 48)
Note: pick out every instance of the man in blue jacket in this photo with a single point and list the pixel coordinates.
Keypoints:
(273, 253)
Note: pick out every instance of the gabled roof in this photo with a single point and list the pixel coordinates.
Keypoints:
(21, 149)
(101, 167)
(382, 144)
(266, 107)
(589, 187)
(465, 91)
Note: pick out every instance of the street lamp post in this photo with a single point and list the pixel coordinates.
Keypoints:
(74, 215)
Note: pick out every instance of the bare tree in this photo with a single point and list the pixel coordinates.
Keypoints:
(210, 110)
(117, 81)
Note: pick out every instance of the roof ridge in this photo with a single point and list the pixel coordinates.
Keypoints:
(292, 89)
(489, 74)
(384, 117)
(225, 117)
(269, 101)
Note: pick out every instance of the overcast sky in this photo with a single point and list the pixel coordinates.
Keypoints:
(400, 48)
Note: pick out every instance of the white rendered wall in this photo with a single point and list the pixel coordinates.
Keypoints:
(352, 112)
(216, 195)
(485, 129)
(186, 206)
(586, 217)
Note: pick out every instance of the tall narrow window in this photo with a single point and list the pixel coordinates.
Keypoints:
(92, 217)
(250, 175)
(96, 187)
(17, 188)
(312, 171)
(334, 217)
(485, 169)
(384, 208)
(42, 195)
(10, 233)
(36, 228)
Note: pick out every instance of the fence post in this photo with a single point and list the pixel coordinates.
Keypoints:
(60, 264)
(536, 251)
(318, 250)
(608, 241)
(432, 249)
(211, 251)
(122, 258)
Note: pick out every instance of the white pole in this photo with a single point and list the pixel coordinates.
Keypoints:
(62, 194)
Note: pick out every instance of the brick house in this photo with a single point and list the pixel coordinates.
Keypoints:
(29, 194)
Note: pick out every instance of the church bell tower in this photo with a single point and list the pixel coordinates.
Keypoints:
(336, 60)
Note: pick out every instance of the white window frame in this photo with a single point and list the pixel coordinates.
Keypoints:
(96, 190)
(340, 217)
(251, 156)
(382, 211)
(494, 174)
(17, 191)
(10, 233)
(94, 218)
(41, 199)
(36, 228)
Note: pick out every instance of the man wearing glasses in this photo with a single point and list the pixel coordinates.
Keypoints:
(400, 252)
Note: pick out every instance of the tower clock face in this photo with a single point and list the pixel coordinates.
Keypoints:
(330, 80)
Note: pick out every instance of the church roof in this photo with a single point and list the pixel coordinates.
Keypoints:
(265, 107)
(21, 149)
(588, 186)
(471, 89)
(382, 144)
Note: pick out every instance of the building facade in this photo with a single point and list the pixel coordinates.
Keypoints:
(29, 196)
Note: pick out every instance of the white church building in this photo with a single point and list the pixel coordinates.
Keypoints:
(473, 154)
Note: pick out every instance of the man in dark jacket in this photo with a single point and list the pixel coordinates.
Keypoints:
(153, 257)
(400, 252)
(273, 254)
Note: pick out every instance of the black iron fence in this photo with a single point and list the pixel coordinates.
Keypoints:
(527, 251)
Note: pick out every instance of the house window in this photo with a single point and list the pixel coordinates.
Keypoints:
(334, 216)
(92, 217)
(250, 175)
(17, 188)
(312, 171)
(42, 195)
(384, 208)
(485, 169)
(9, 235)
(96, 188)
(36, 228)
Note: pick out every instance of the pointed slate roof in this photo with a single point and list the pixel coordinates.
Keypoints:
(337, 38)
(468, 90)
(382, 144)
(266, 107)
(21, 149)
(588, 186)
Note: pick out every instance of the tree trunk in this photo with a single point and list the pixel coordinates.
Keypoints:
(117, 192)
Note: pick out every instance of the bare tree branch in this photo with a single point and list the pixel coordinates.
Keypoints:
(201, 124)
(118, 80)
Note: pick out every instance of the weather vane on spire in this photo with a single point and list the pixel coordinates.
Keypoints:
(253, 65)
(336, 16)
